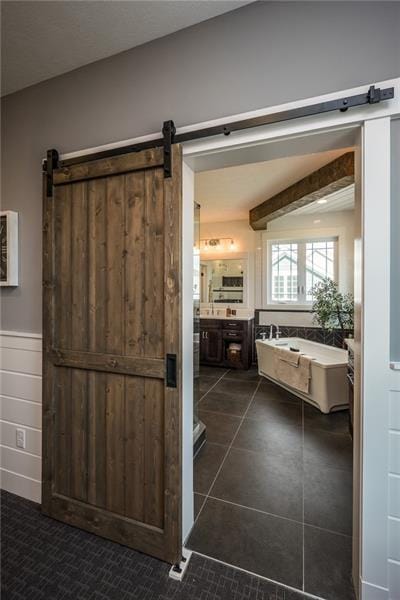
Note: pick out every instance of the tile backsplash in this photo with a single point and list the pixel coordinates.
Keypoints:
(314, 334)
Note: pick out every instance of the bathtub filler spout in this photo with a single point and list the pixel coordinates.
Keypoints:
(271, 330)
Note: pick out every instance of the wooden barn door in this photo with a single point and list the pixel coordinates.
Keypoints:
(112, 307)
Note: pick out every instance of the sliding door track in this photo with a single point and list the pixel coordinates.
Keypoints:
(372, 96)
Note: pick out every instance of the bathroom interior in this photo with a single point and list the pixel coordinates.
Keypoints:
(273, 375)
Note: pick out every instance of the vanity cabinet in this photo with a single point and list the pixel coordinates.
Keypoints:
(216, 337)
(210, 344)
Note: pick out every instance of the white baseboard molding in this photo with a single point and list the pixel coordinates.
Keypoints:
(373, 592)
(20, 408)
(20, 485)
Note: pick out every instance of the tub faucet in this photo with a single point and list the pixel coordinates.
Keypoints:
(271, 329)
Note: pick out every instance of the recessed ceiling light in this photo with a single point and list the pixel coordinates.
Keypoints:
(322, 201)
(317, 221)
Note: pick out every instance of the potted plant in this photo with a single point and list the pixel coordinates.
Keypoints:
(332, 309)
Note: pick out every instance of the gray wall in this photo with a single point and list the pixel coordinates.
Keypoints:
(262, 54)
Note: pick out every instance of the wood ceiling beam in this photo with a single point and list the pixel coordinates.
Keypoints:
(334, 176)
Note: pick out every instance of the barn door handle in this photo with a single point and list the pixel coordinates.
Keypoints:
(171, 370)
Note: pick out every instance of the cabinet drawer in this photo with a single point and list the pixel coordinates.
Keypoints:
(210, 324)
(228, 334)
(234, 325)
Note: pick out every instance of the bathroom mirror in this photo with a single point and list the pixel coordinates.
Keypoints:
(223, 280)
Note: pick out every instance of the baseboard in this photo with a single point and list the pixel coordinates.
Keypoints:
(20, 408)
(373, 592)
(21, 486)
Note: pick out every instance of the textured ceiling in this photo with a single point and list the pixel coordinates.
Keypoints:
(43, 39)
(228, 194)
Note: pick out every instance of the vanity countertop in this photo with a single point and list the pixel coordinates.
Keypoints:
(225, 318)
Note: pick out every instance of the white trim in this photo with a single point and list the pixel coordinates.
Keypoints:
(369, 591)
(21, 334)
(376, 336)
(302, 234)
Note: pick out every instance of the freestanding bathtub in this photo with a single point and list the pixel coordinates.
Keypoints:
(328, 385)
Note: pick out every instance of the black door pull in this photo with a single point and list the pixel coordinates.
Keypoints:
(171, 370)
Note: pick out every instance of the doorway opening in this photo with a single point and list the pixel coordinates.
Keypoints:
(273, 456)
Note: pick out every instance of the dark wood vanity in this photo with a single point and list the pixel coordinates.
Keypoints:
(220, 340)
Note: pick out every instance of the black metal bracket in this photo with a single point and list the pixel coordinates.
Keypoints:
(375, 95)
(177, 568)
(168, 132)
(52, 163)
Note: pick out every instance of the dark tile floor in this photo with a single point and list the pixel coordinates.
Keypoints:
(273, 485)
(43, 559)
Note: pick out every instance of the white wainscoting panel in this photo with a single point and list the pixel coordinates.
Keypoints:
(394, 493)
(20, 408)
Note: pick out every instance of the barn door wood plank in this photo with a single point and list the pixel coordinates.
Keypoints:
(63, 207)
(154, 453)
(49, 286)
(109, 166)
(79, 340)
(115, 332)
(115, 451)
(173, 345)
(154, 264)
(135, 264)
(135, 419)
(97, 343)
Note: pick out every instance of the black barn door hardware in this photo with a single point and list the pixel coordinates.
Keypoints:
(168, 132)
(372, 96)
(171, 370)
(51, 164)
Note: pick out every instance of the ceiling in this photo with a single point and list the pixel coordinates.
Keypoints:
(228, 194)
(340, 200)
(43, 39)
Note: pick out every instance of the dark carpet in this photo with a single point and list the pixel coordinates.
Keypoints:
(43, 559)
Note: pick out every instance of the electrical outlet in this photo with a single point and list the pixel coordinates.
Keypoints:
(21, 439)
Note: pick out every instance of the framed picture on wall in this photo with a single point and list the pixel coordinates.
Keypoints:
(9, 248)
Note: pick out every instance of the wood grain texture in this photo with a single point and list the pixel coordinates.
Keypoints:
(62, 271)
(135, 419)
(115, 450)
(109, 166)
(97, 431)
(114, 326)
(330, 178)
(110, 363)
(135, 265)
(173, 345)
(113, 277)
(48, 312)
(154, 264)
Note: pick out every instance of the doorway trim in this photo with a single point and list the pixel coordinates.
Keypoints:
(370, 549)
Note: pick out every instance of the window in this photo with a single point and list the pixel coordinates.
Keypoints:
(296, 266)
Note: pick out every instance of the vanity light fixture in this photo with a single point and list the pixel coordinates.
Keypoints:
(207, 244)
